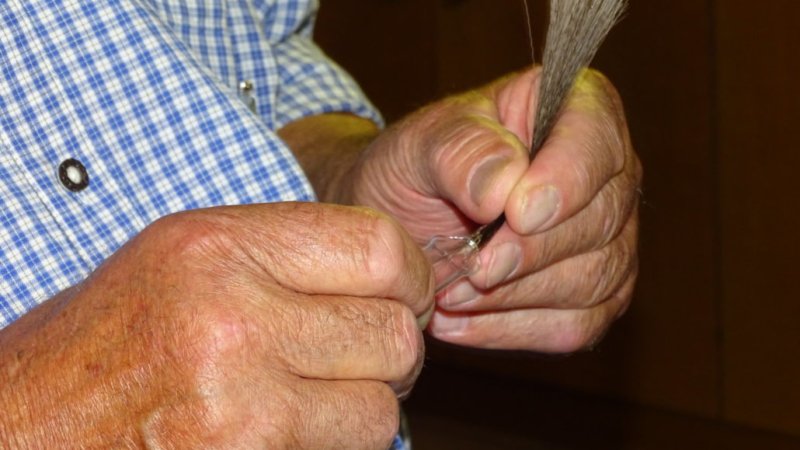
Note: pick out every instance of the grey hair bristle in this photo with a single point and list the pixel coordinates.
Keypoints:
(576, 30)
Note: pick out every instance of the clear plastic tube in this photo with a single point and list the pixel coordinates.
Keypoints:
(452, 258)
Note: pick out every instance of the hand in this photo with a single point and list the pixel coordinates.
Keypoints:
(563, 267)
(284, 325)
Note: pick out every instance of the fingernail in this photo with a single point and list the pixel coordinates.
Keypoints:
(450, 325)
(401, 389)
(460, 294)
(503, 263)
(425, 318)
(483, 177)
(539, 207)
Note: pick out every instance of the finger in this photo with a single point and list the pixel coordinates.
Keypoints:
(543, 330)
(587, 147)
(458, 159)
(338, 414)
(326, 249)
(509, 256)
(477, 162)
(517, 116)
(575, 283)
(347, 338)
(484, 151)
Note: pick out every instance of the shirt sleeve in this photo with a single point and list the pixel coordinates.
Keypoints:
(310, 83)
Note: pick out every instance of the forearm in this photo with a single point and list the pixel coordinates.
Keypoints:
(328, 148)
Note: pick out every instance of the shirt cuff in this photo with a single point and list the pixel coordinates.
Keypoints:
(312, 84)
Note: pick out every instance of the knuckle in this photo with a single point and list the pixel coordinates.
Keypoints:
(185, 236)
(611, 126)
(579, 332)
(203, 350)
(213, 338)
(383, 257)
(625, 293)
(602, 84)
(394, 327)
(385, 417)
(612, 136)
(614, 216)
(614, 208)
(475, 135)
(608, 268)
(406, 342)
(584, 176)
(364, 414)
(598, 275)
(632, 176)
(627, 245)
(223, 332)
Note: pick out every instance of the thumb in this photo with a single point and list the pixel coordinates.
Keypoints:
(452, 162)
(481, 144)
(476, 161)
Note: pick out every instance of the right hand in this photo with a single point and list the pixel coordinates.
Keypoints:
(283, 325)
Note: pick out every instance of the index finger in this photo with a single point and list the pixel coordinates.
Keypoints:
(313, 248)
(586, 148)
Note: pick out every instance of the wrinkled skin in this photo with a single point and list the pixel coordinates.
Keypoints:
(296, 325)
(241, 327)
(563, 267)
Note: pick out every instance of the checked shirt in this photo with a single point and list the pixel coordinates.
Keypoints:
(145, 97)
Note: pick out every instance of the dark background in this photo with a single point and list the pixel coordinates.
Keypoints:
(707, 356)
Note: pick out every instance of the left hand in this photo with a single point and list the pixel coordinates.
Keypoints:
(563, 266)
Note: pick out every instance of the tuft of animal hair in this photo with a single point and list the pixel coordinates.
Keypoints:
(577, 29)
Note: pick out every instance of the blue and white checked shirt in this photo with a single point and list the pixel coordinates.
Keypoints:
(144, 93)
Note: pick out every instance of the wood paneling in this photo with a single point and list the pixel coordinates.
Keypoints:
(479, 41)
(461, 409)
(389, 46)
(759, 110)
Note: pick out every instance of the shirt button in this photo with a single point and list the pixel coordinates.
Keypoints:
(246, 95)
(73, 175)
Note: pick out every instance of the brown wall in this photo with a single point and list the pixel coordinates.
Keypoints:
(712, 97)
(758, 109)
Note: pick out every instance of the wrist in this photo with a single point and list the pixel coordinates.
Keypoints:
(328, 148)
(44, 404)
(18, 426)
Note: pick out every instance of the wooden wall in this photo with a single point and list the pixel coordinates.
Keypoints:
(758, 110)
(711, 92)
